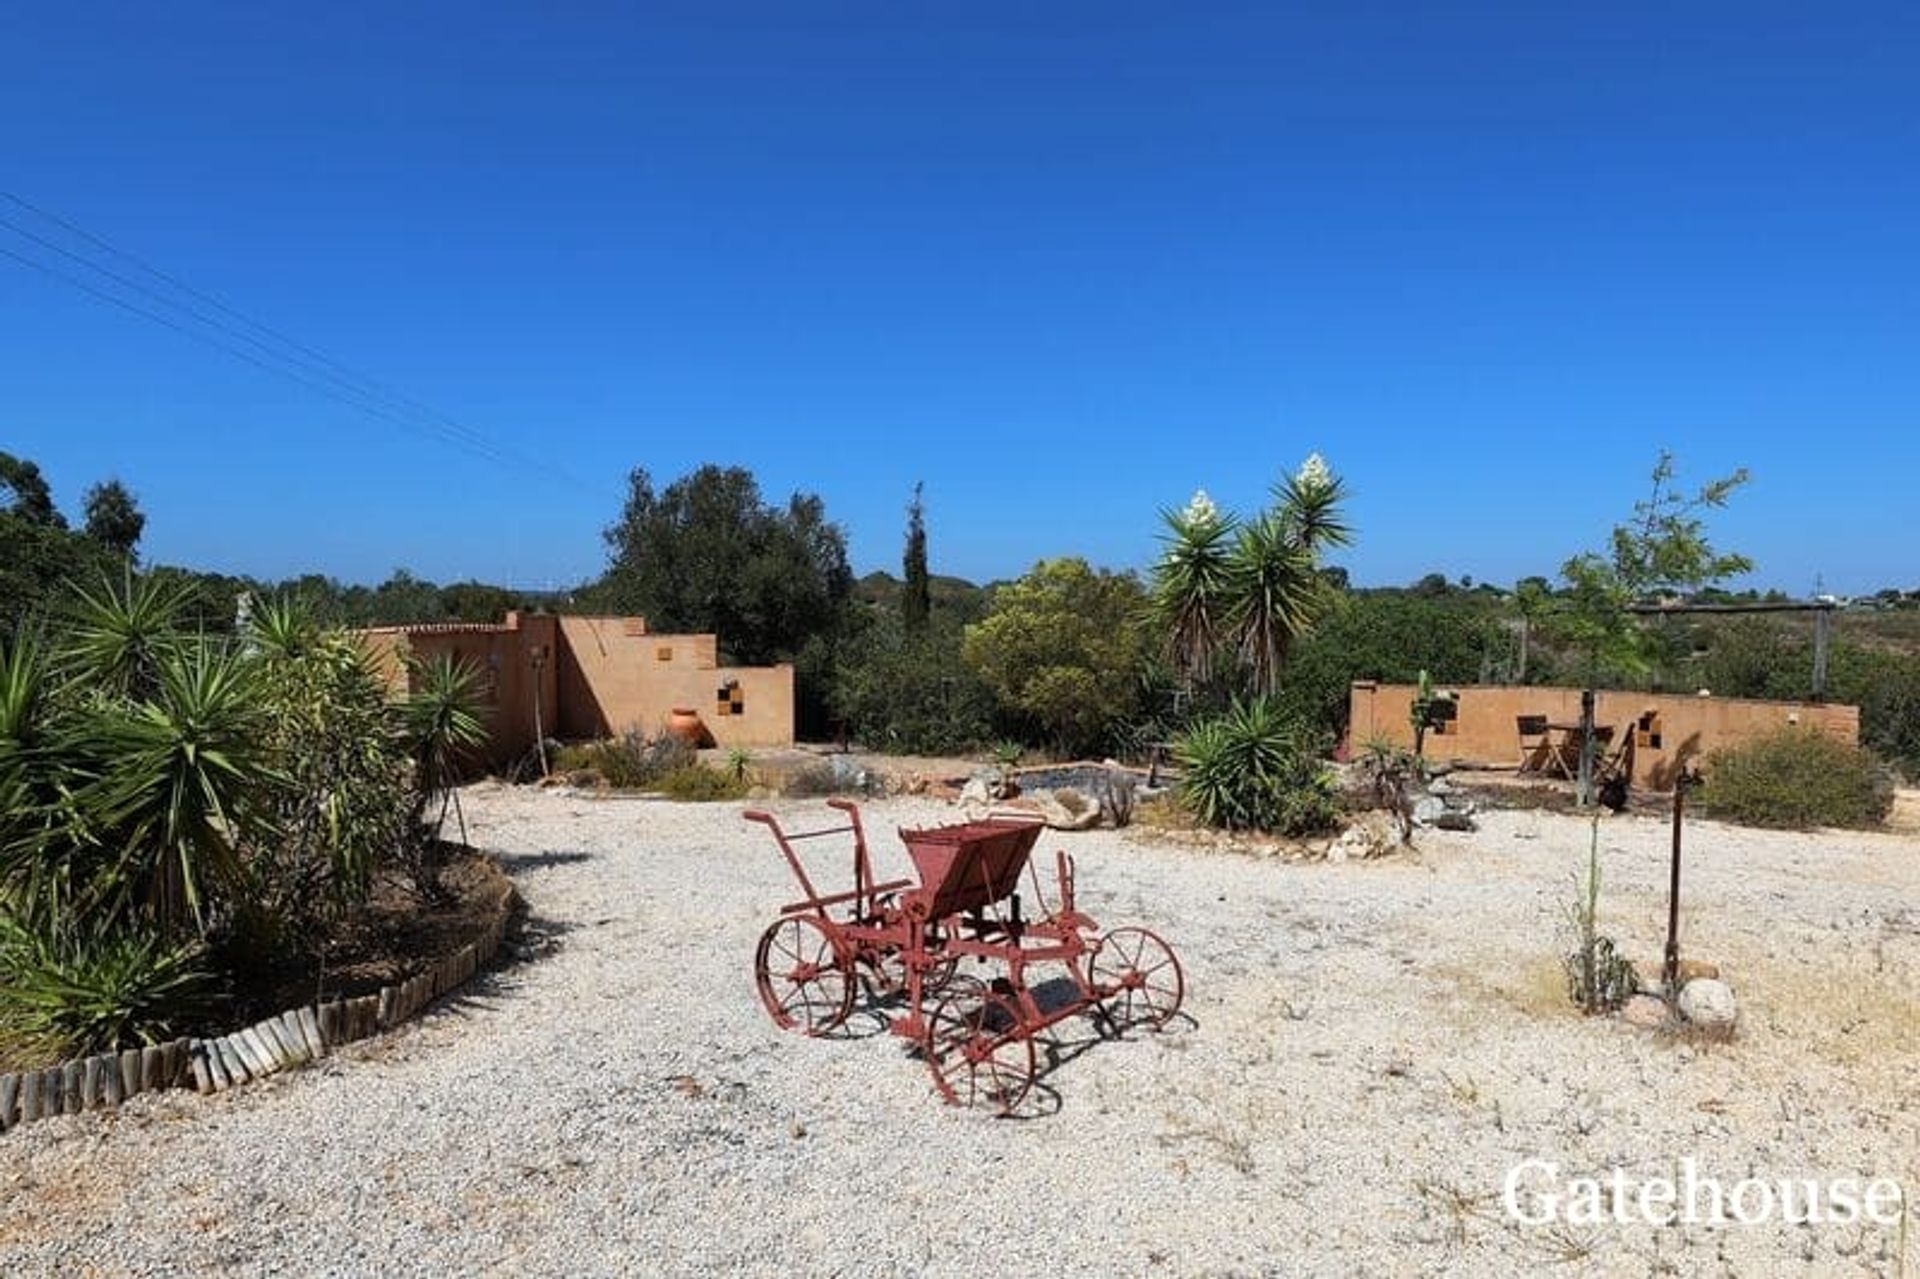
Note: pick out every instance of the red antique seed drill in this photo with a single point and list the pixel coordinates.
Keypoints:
(906, 939)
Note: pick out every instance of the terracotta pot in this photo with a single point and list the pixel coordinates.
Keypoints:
(685, 723)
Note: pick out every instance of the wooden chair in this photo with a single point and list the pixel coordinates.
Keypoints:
(1533, 741)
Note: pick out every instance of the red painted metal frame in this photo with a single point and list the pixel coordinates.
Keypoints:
(967, 874)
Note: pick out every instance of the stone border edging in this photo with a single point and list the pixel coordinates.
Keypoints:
(292, 1038)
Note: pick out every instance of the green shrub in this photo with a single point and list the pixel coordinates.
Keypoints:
(75, 993)
(697, 783)
(1255, 769)
(632, 761)
(910, 694)
(1794, 779)
(1062, 652)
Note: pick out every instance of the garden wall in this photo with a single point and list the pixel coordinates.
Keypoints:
(616, 675)
(1670, 729)
(513, 683)
(595, 677)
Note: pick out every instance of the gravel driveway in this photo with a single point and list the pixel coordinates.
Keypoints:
(1373, 1046)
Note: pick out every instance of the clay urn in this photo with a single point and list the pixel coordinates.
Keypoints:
(685, 723)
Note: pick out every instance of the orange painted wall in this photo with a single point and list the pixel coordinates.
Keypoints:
(597, 676)
(613, 679)
(1486, 733)
(513, 685)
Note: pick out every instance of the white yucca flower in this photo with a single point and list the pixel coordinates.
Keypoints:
(1201, 510)
(1313, 472)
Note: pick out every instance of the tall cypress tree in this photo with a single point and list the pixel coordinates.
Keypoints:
(916, 600)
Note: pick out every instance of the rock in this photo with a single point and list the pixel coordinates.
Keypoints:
(1454, 819)
(1707, 1002)
(1440, 786)
(976, 791)
(1647, 1011)
(1066, 808)
(1428, 809)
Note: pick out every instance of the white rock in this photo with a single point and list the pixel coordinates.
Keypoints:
(1708, 1003)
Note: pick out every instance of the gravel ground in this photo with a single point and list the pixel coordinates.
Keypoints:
(1372, 1047)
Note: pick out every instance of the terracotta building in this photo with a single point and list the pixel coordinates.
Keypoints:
(585, 677)
(1486, 723)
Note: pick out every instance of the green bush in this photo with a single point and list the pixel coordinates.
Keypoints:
(1794, 779)
(1254, 768)
(910, 694)
(1062, 651)
(73, 993)
(696, 783)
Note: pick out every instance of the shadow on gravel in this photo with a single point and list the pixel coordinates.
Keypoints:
(540, 861)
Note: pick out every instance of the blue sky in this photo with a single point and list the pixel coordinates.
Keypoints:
(1064, 262)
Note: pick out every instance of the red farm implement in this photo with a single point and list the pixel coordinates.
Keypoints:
(905, 942)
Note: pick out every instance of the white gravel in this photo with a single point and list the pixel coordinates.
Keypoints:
(1374, 1046)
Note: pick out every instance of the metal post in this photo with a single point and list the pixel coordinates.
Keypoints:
(1822, 628)
(1671, 970)
(1584, 788)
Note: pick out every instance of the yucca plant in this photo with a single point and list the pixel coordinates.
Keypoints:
(1253, 769)
(1248, 590)
(117, 637)
(77, 990)
(443, 726)
(179, 785)
(1191, 584)
(282, 627)
(29, 779)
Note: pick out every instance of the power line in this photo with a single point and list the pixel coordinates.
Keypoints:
(202, 338)
(350, 375)
(367, 394)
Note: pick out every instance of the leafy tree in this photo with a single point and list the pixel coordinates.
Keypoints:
(1386, 635)
(1661, 551)
(916, 600)
(31, 499)
(910, 693)
(1062, 650)
(1531, 599)
(706, 554)
(113, 519)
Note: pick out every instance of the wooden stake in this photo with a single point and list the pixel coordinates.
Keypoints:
(309, 1019)
(230, 1058)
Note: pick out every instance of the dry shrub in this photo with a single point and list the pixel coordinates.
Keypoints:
(1796, 779)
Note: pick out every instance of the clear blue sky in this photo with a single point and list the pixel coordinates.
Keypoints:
(1064, 262)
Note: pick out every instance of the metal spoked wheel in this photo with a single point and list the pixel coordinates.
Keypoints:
(890, 975)
(803, 980)
(978, 1050)
(1144, 975)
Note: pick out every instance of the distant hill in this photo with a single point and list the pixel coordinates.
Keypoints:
(954, 595)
